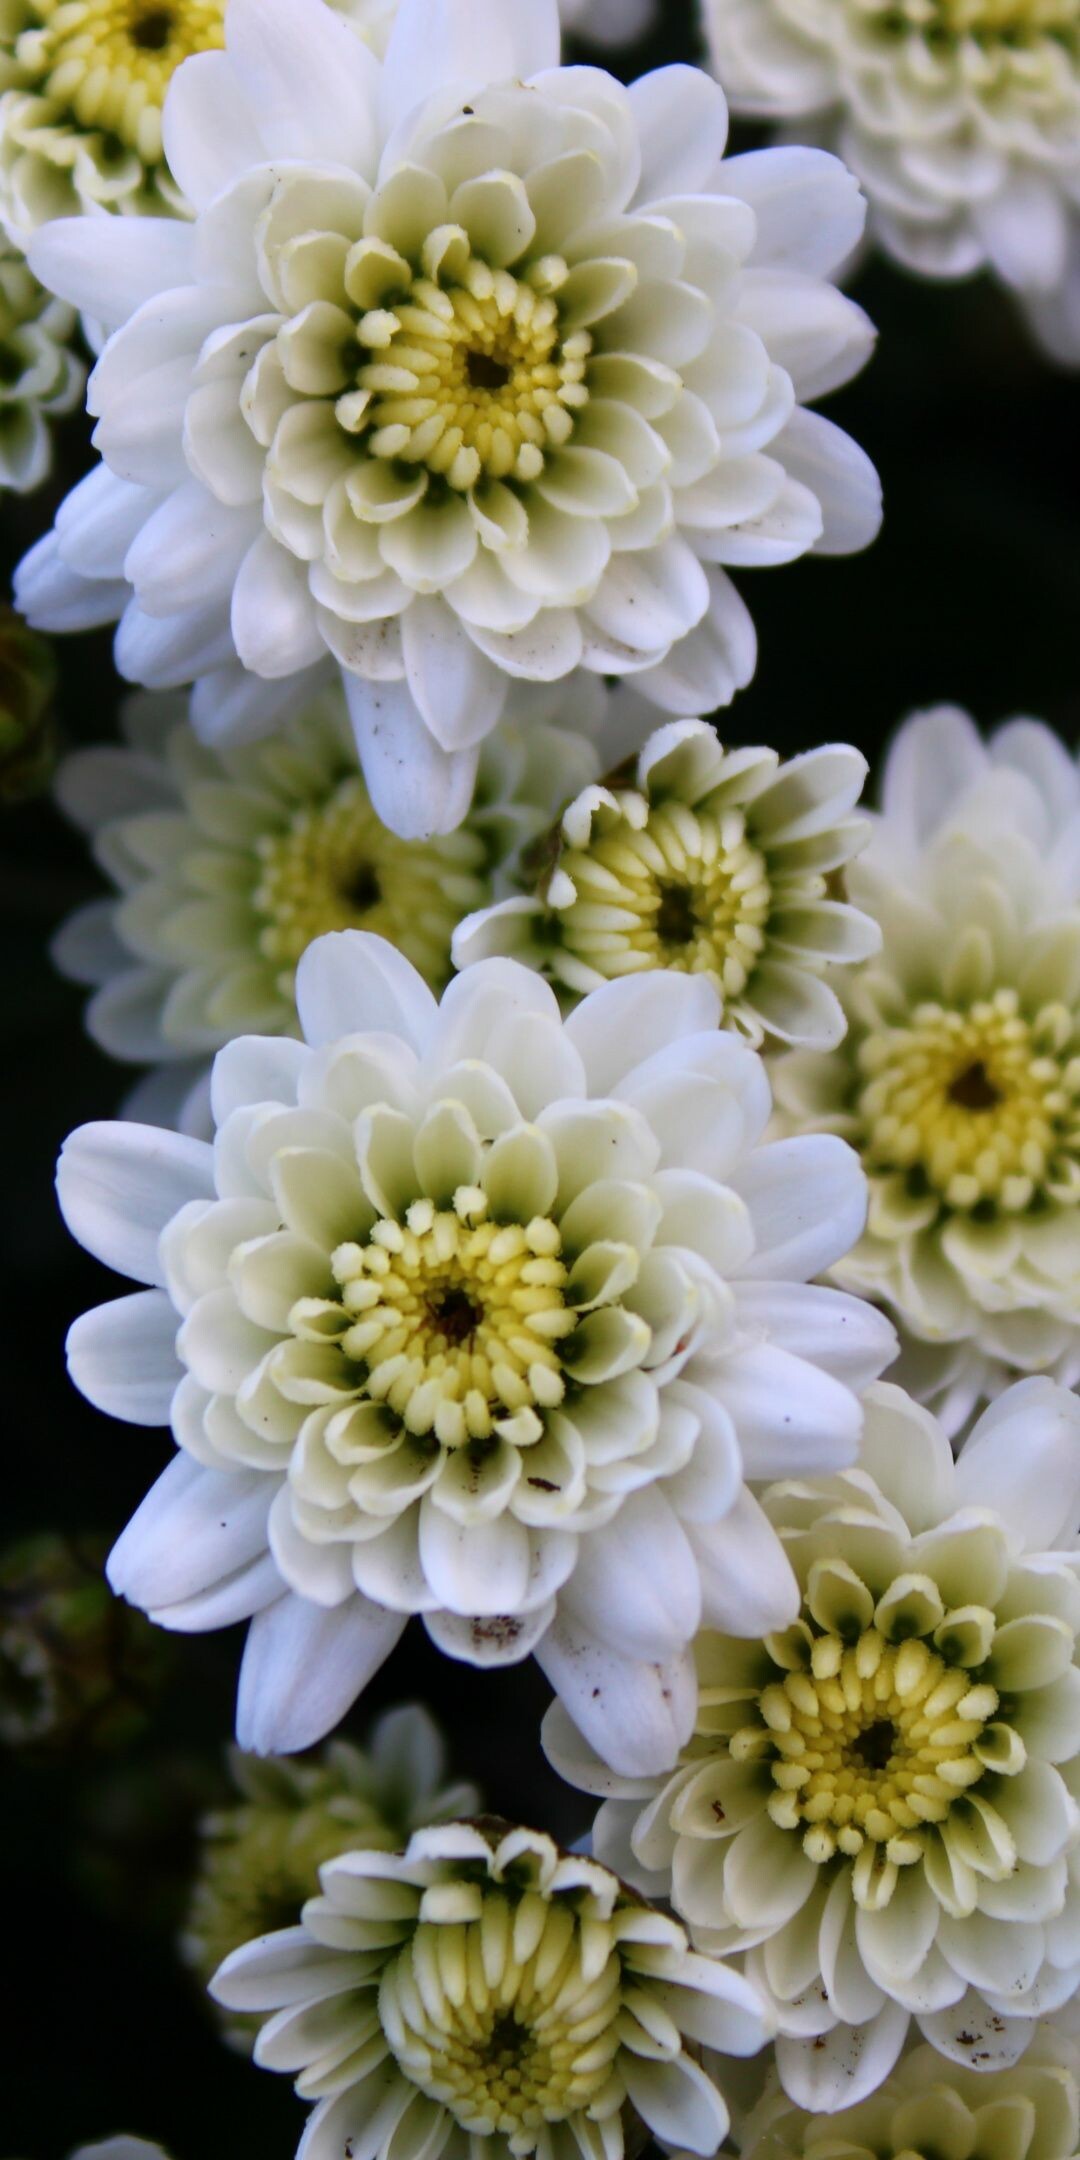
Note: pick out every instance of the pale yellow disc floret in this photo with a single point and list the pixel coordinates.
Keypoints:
(868, 1745)
(508, 2019)
(109, 63)
(336, 866)
(984, 19)
(665, 886)
(465, 369)
(980, 1101)
(456, 1320)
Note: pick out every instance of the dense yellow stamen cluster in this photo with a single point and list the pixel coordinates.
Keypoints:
(668, 887)
(456, 1320)
(468, 373)
(982, 1101)
(868, 1745)
(987, 19)
(110, 62)
(510, 2020)
(337, 867)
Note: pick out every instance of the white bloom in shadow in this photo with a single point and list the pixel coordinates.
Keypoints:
(961, 119)
(958, 1080)
(485, 1991)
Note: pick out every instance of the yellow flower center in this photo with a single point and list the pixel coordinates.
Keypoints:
(666, 887)
(988, 20)
(868, 1745)
(110, 62)
(457, 1320)
(465, 369)
(504, 2019)
(983, 1103)
(337, 867)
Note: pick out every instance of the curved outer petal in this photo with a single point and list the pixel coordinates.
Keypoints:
(119, 1184)
(464, 41)
(350, 982)
(303, 1668)
(637, 1716)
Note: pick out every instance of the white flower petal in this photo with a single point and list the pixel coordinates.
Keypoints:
(194, 1529)
(119, 1184)
(304, 1667)
(636, 1715)
(350, 981)
(122, 1357)
(417, 788)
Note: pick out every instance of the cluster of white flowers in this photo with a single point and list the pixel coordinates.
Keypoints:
(555, 1121)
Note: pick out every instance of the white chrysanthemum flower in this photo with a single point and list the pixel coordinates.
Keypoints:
(927, 2108)
(485, 1992)
(961, 119)
(82, 92)
(878, 1803)
(39, 374)
(484, 1316)
(260, 1857)
(708, 860)
(230, 861)
(959, 1078)
(459, 375)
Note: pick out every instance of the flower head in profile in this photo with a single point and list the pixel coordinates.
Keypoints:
(260, 1857)
(708, 860)
(961, 119)
(959, 1078)
(485, 1986)
(228, 862)
(40, 378)
(483, 1316)
(470, 368)
(877, 1805)
(1028, 2112)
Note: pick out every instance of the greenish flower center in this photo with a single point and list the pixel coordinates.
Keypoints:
(501, 2020)
(979, 1104)
(452, 1320)
(337, 867)
(462, 369)
(666, 887)
(109, 63)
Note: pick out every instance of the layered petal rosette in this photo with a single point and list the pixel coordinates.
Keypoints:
(959, 1078)
(477, 1314)
(40, 377)
(703, 859)
(469, 368)
(82, 93)
(260, 1856)
(228, 862)
(1029, 2112)
(484, 1991)
(878, 1805)
(961, 119)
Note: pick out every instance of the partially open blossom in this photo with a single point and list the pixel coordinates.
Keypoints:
(228, 862)
(1028, 2112)
(469, 368)
(704, 859)
(484, 1991)
(961, 119)
(39, 375)
(485, 1316)
(260, 1857)
(958, 1081)
(878, 1803)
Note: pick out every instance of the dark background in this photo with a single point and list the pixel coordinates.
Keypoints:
(971, 594)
